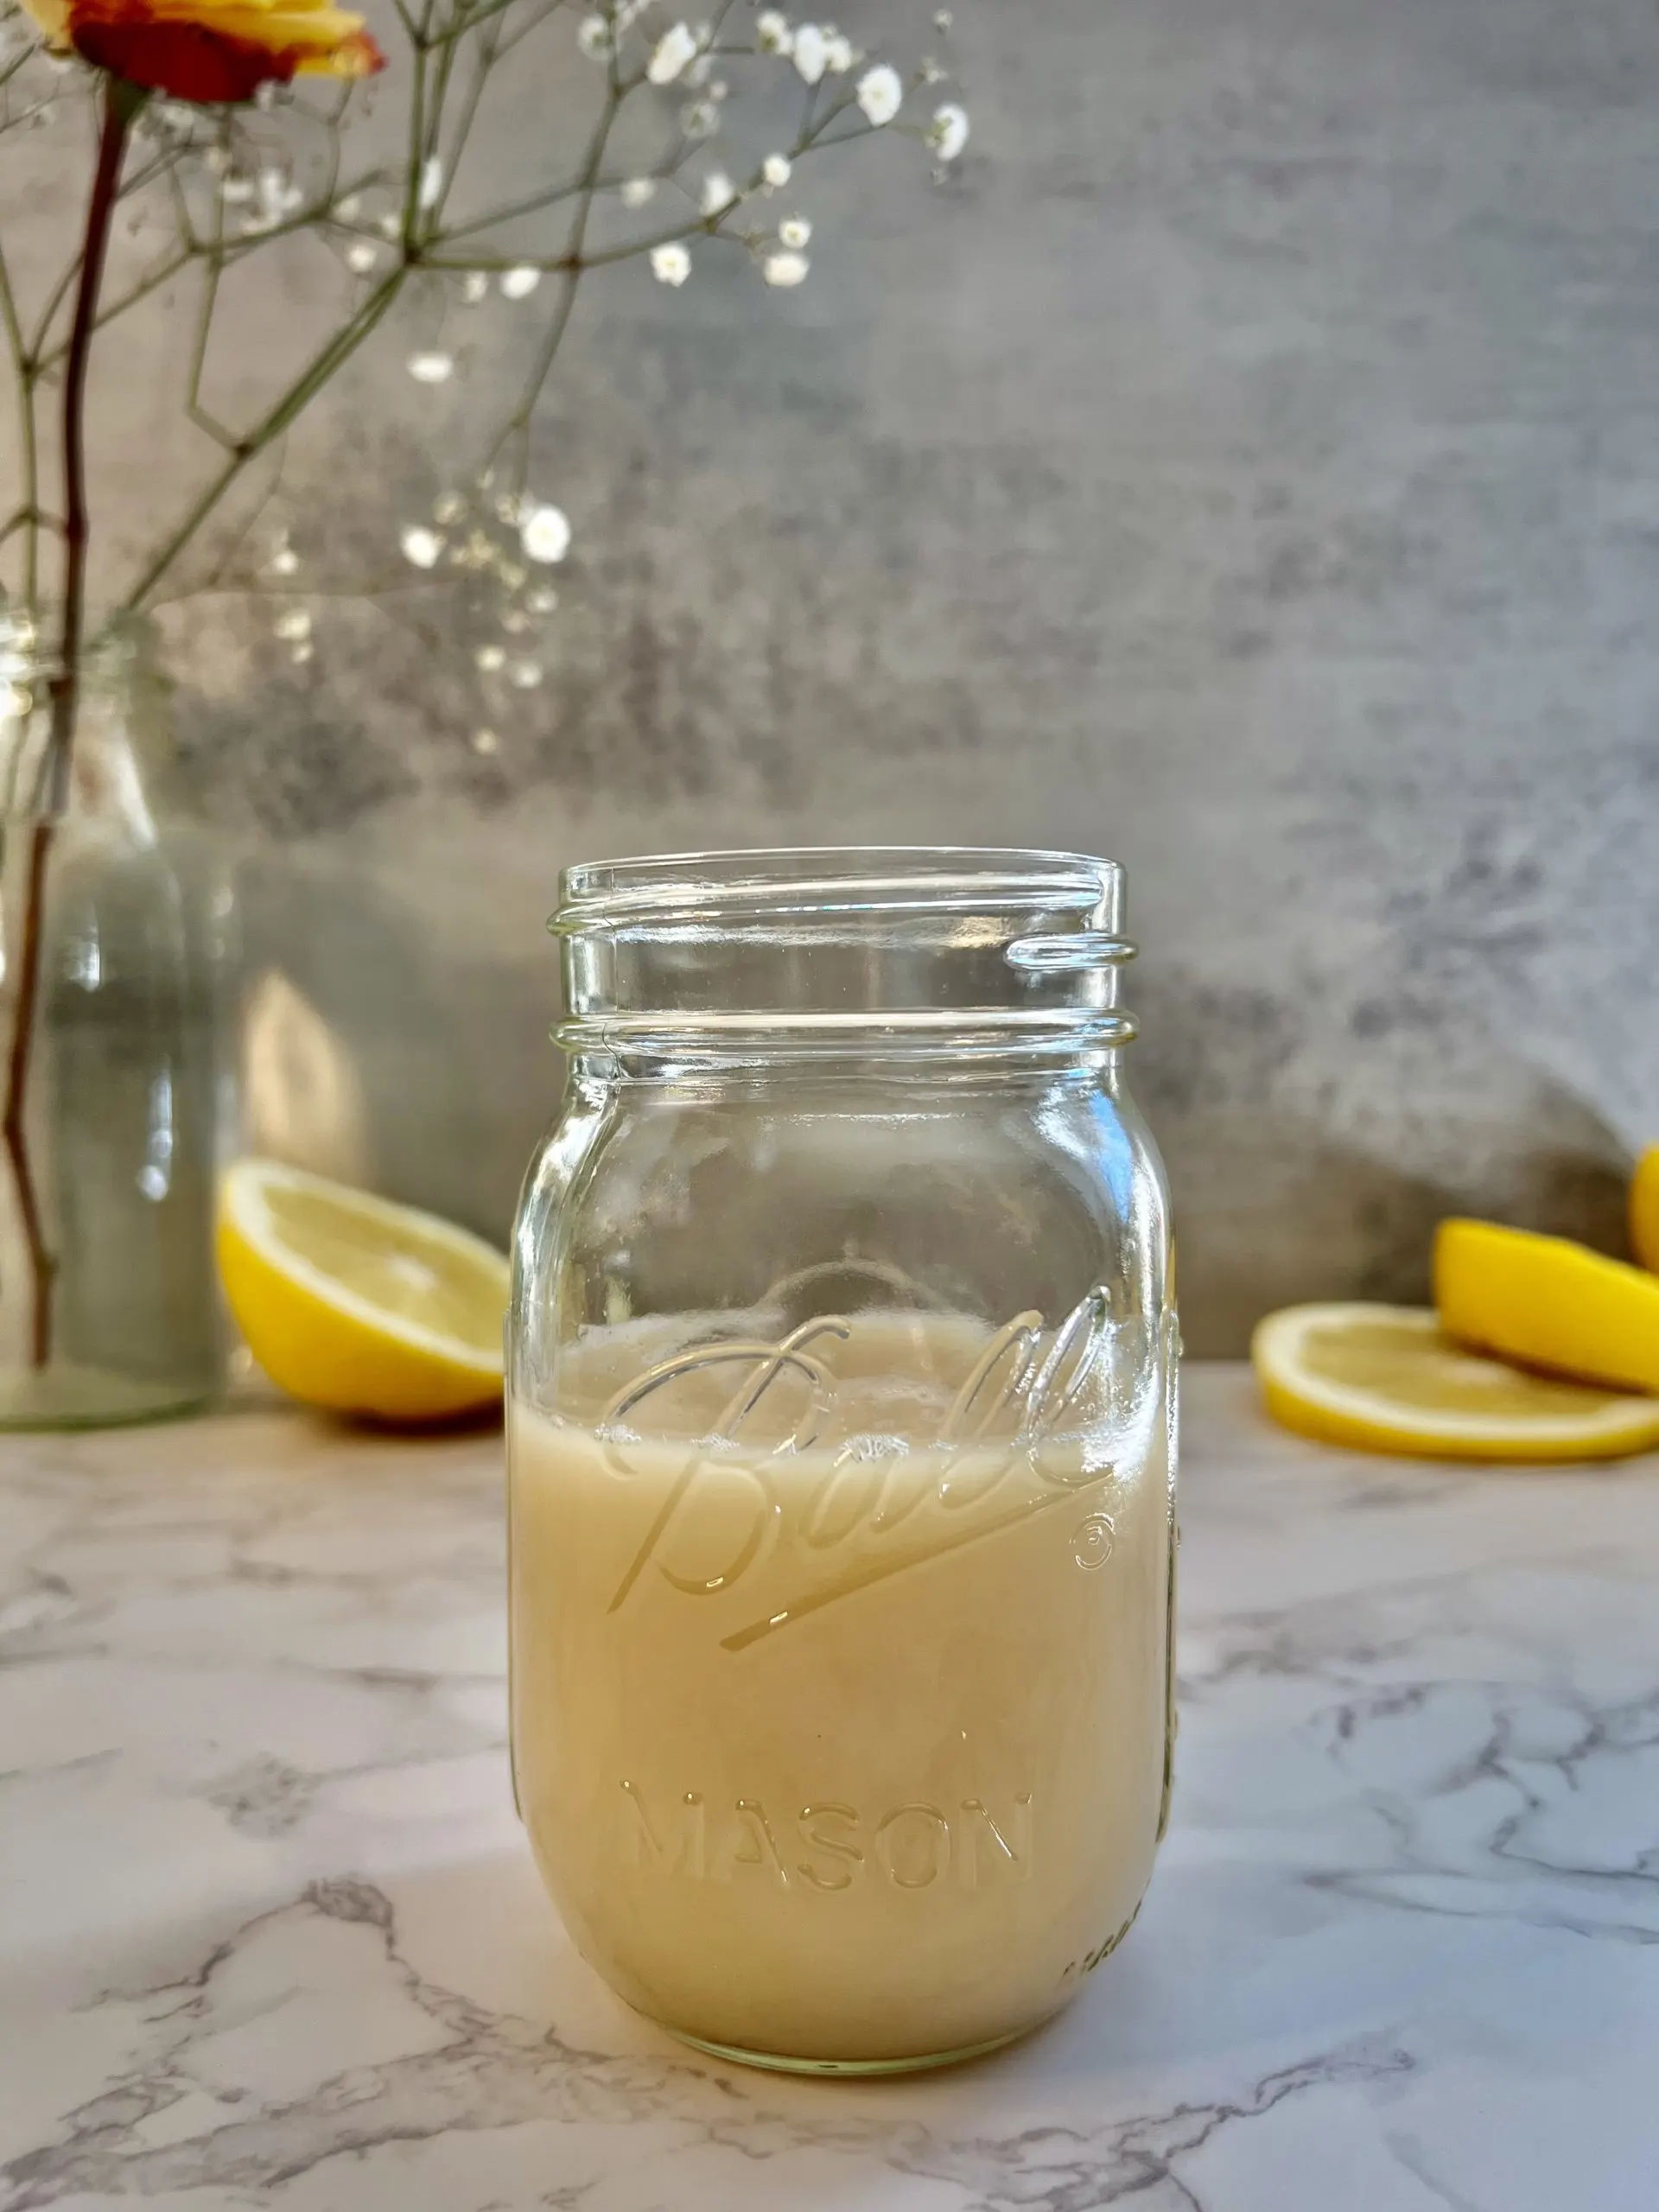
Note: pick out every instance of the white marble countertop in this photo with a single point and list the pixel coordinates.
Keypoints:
(269, 1935)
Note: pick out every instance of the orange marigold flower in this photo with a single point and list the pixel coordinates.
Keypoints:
(210, 51)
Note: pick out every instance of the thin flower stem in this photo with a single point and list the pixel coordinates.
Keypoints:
(429, 150)
(20, 518)
(417, 158)
(41, 1265)
(517, 424)
(215, 258)
(27, 443)
(216, 574)
(570, 189)
(485, 60)
(515, 208)
(331, 357)
(476, 19)
(164, 273)
(226, 252)
(120, 105)
(530, 23)
(712, 225)
(69, 276)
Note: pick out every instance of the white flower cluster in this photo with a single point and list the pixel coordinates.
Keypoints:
(497, 545)
(540, 533)
(502, 546)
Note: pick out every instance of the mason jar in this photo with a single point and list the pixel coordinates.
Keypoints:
(842, 1451)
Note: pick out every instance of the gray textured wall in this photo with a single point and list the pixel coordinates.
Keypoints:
(1248, 468)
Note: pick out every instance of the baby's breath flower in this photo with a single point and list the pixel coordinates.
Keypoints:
(279, 198)
(880, 95)
(593, 37)
(541, 601)
(948, 133)
(637, 190)
(718, 193)
(488, 659)
(810, 53)
(449, 507)
(839, 54)
(545, 534)
(777, 169)
(292, 626)
(785, 270)
(346, 210)
(943, 20)
(431, 182)
(361, 257)
(670, 265)
(794, 232)
(421, 547)
(431, 368)
(700, 120)
(474, 287)
(676, 47)
(485, 741)
(518, 283)
(771, 32)
(301, 652)
(524, 674)
(284, 561)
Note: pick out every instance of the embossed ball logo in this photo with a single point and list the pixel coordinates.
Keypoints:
(799, 1546)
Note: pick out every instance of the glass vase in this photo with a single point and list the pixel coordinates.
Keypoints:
(113, 935)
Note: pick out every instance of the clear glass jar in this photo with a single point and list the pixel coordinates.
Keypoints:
(841, 1445)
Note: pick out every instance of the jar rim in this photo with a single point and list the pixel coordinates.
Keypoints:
(863, 952)
(872, 879)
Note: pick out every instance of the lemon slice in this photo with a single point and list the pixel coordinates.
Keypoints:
(1386, 1379)
(1548, 1302)
(351, 1302)
(1644, 1210)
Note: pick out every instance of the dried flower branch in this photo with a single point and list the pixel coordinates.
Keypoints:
(198, 127)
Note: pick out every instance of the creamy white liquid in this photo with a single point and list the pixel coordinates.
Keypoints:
(844, 1738)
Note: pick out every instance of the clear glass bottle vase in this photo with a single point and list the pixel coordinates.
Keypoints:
(114, 936)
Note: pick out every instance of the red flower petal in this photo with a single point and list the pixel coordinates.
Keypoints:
(184, 60)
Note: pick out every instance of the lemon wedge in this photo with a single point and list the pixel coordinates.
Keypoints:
(1548, 1303)
(1644, 1210)
(351, 1302)
(1386, 1379)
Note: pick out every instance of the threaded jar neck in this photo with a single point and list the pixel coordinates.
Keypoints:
(879, 951)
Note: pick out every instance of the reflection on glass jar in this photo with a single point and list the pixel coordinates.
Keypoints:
(841, 1451)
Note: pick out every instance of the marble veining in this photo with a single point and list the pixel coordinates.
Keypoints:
(269, 1935)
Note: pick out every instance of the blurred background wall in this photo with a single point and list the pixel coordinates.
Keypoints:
(1248, 466)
